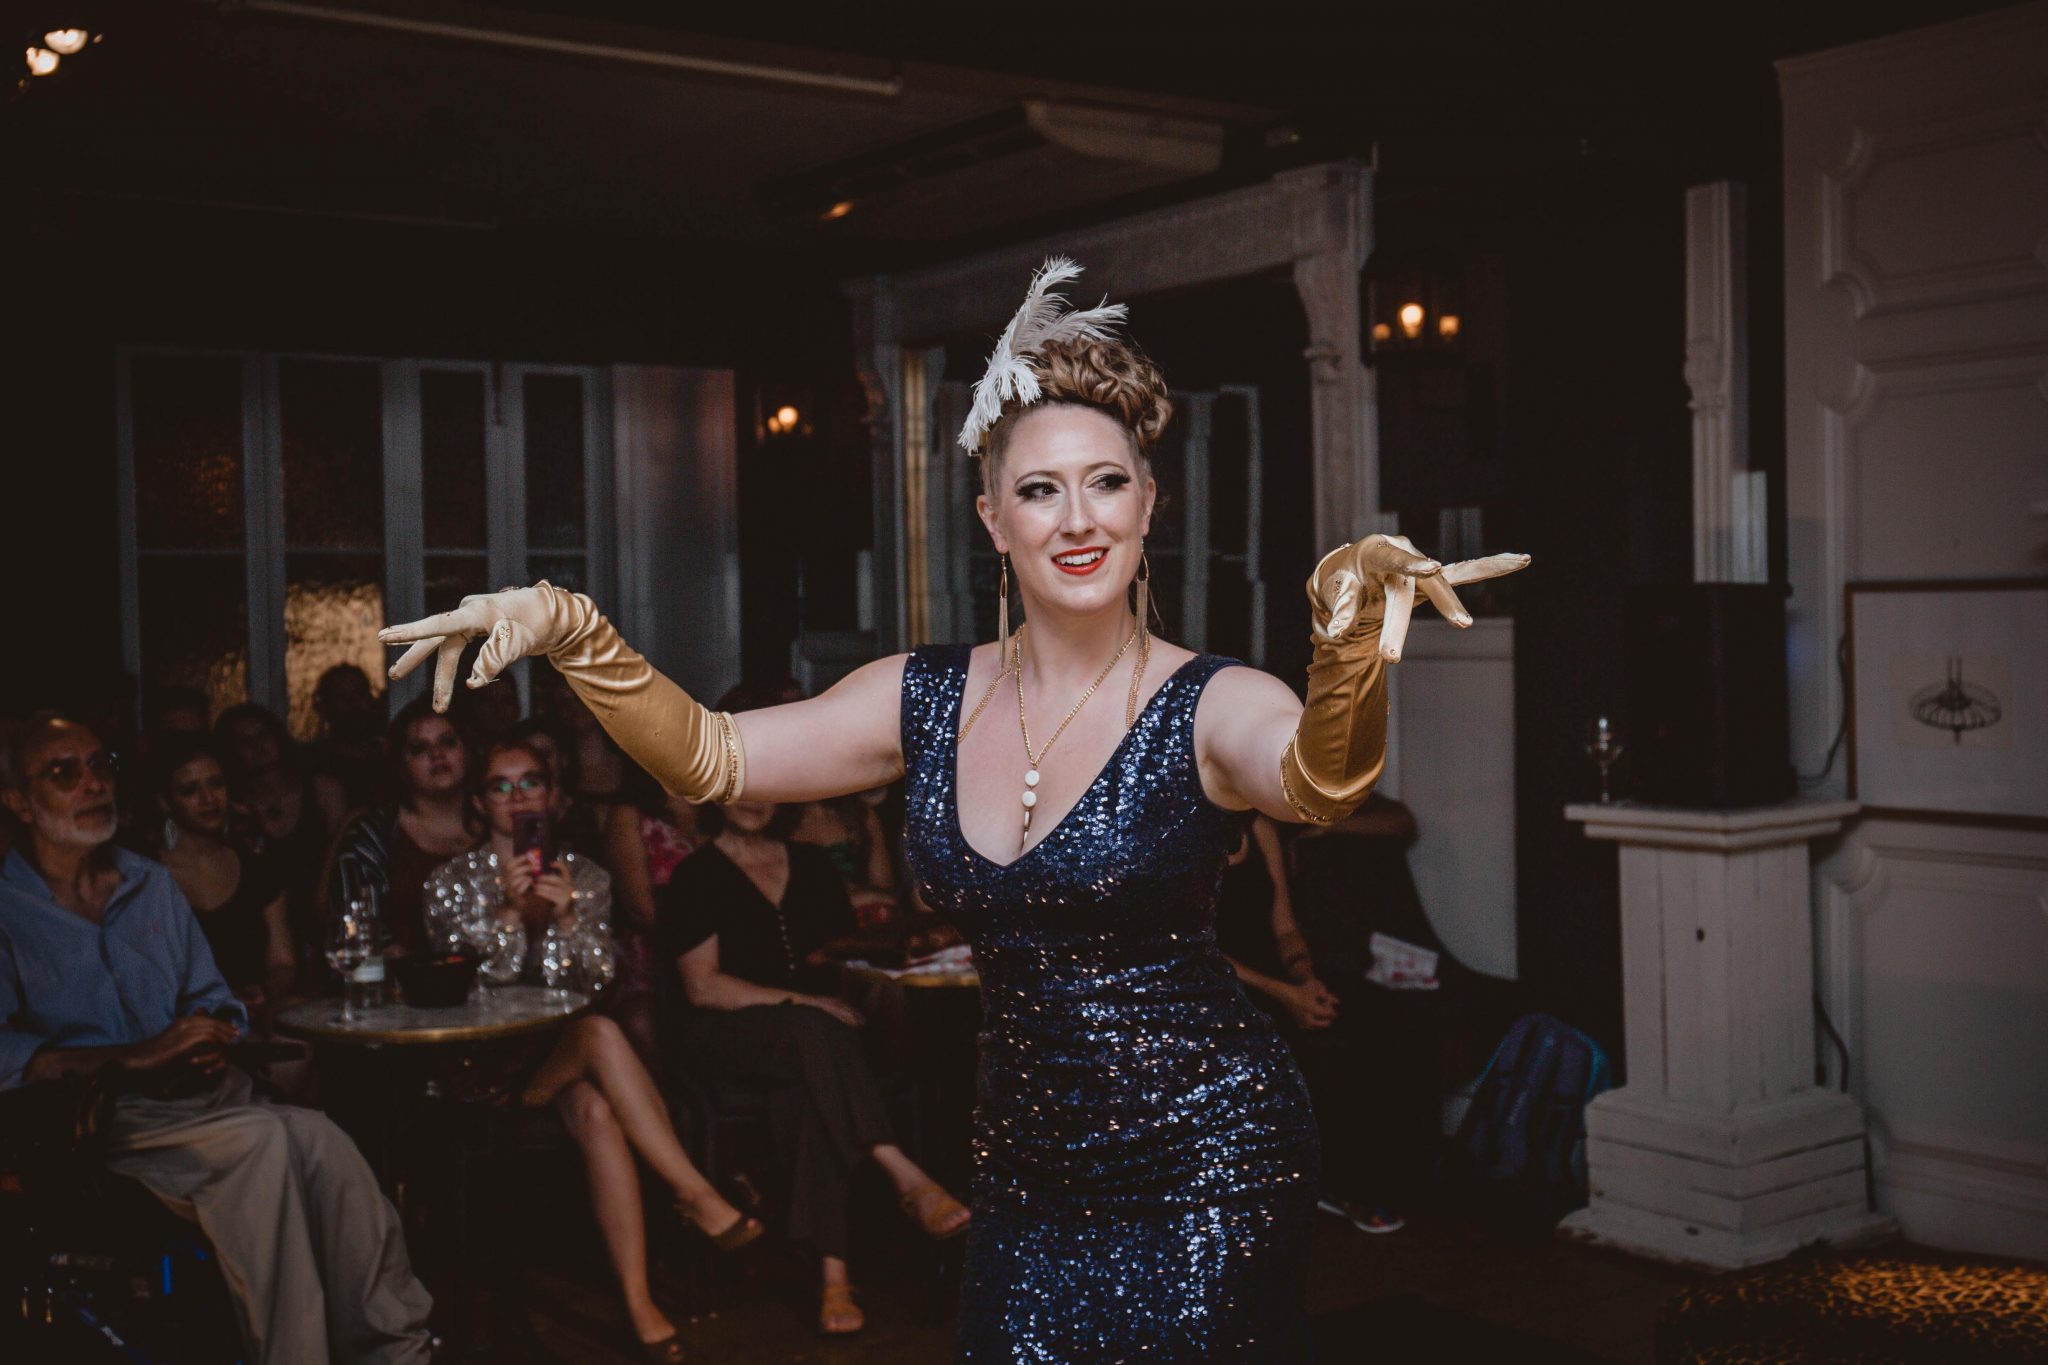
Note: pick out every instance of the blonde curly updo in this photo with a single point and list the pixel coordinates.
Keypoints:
(1113, 377)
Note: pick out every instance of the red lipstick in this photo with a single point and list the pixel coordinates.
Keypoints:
(1082, 570)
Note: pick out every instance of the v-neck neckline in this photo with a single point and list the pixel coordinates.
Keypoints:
(952, 728)
(788, 881)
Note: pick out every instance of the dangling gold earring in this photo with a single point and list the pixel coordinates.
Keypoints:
(1003, 610)
(1143, 602)
(1144, 586)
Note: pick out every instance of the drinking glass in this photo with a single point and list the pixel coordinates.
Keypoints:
(1603, 746)
(504, 952)
(555, 966)
(349, 936)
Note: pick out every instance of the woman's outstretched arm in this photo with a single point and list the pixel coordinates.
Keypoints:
(845, 740)
(1317, 761)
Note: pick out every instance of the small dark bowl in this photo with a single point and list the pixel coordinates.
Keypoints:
(441, 981)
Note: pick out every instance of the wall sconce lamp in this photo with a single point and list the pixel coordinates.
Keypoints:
(43, 59)
(786, 420)
(1412, 309)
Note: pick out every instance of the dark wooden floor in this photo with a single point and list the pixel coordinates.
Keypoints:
(1597, 1302)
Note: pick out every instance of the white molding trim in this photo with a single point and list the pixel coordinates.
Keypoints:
(2016, 33)
(1295, 215)
(1878, 292)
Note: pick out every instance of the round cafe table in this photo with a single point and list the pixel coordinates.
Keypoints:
(429, 1041)
(507, 1012)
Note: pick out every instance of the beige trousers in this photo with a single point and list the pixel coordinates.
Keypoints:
(312, 1250)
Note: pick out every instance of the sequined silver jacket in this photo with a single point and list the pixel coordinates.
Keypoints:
(465, 896)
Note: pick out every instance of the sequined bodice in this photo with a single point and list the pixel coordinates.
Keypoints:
(1114, 1034)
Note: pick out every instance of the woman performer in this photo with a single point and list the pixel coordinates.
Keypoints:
(1145, 1159)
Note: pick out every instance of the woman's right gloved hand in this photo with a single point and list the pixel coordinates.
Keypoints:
(693, 752)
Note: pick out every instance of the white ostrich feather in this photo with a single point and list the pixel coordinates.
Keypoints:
(1043, 317)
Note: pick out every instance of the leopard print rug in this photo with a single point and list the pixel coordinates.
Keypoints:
(1895, 1308)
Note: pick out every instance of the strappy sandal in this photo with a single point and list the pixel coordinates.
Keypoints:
(940, 1215)
(667, 1351)
(742, 1231)
(838, 1314)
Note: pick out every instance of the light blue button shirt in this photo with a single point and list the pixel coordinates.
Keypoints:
(67, 982)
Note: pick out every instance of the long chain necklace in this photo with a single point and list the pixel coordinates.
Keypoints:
(1030, 796)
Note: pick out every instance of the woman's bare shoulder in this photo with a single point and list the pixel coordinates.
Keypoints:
(1240, 684)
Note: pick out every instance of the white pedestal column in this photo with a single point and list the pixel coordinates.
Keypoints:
(1720, 1151)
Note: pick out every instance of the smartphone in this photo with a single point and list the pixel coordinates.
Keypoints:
(533, 840)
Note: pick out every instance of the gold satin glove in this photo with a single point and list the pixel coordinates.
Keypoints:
(1361, 598)
(693, 752)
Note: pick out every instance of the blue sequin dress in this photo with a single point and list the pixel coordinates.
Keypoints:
(1144, 1153)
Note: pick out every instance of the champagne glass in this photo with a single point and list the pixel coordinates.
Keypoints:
(504, 950)
(1603, 746)
(349, 933)
(555, 966)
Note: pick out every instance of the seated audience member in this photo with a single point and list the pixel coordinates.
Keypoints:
(173, 710)
(286, 814)
(484, 714)
(1256, 931)
(168, 710)
(590, 1075)
(254, 741)
(561, 907)
(578, 819)
(350, 748)
(742, 924)
(645, 837)
(1373, 1073)
(600, 771)
(103, 967)
(387, 854)
(238, 898)
(849, 829)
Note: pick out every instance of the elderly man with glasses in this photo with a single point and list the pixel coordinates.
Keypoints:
(102, 966)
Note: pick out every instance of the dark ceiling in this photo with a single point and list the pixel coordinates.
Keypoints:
(257, 107)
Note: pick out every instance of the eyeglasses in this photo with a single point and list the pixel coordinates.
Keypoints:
(502, 788)
(67, 772)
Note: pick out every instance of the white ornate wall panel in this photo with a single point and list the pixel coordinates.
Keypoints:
(1916, 288)
(1935, 448)
(1933, 944)
(1916, 330)
(1909, 209)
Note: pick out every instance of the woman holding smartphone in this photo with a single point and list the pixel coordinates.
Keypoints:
(561, 905)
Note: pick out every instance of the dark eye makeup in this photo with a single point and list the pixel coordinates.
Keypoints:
(1038, 488)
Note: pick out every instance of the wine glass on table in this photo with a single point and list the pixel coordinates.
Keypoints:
(1603, 746)
(503, 945)
(555, 967)
(349, 937)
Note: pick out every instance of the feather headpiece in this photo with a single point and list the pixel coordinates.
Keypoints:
(1043, 317)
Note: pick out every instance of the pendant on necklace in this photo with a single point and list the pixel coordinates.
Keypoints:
(1030, 796)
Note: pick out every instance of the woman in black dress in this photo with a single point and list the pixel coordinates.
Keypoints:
(743, 920)
(238, 898)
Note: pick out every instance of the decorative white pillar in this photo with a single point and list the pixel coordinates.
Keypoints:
(1728, 512)
(1720, 1151)
(1335, 232)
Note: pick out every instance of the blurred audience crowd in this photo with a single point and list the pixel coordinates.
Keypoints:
(712, 938)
